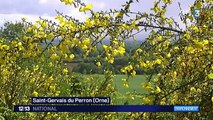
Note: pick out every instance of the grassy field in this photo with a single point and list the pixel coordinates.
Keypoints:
(135, 83)
(135, 86)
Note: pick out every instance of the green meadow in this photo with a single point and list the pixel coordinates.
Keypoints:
(127, 95)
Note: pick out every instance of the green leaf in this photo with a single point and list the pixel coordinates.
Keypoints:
(1, 118)
(210, 76)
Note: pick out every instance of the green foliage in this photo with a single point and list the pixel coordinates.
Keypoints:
(11, 30)
(210, 76)
(87, 68)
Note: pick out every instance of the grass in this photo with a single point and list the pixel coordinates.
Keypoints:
(135, 86)
(135, 83)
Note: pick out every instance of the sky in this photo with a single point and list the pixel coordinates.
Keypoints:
(14, 10)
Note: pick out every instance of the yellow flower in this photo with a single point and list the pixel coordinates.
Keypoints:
(117, 14)
(168, 55)
(139, 50)
(174, 74)
(57, 93)
(121, 51)
(98, 64)
(5, 72)
(67, 2)
(54, 56)
(179, 59)
(125, 82)
(199, 90)
(159, 38)
(32, 80)
(123, 70)
(105, 47)
(126, 85)
(205, 42)
(147, 86)
(86, 8)
(142, 64)
(71, 57)
(111, 60)
(19, 44)
(25, 100)
(50, 64)
(133, 73)
(183, 64)
(64, 48)
(35, 94)
(52, 88)
(176, 48)
(192, 89)
(50, 78)
(86, 41)
(158, 90)
(36, 68)
(65, 70)
(196, 29)
(158, 61)
(146, 100)
(5, 47)
(106, 16)
(212, 99)
(89, 23)
(167, 1)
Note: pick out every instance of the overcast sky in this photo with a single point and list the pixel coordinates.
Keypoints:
(14, 10)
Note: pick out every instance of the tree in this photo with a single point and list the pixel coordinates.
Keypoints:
(11, 30)
(182, 58)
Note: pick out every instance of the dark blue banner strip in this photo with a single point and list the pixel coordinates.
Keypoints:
(70, 100)
(104, 108)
